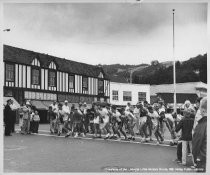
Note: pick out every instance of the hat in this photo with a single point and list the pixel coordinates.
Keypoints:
(9, 100)
(28, 103)
(66, 101)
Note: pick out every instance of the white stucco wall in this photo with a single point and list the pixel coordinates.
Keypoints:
(134, 88)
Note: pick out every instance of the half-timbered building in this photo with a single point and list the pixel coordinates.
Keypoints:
(44, 78)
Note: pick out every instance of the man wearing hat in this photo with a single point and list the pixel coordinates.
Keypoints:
(8, 118)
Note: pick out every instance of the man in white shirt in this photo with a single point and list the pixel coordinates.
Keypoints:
(54, 107)
(66, 111)
(105, 116)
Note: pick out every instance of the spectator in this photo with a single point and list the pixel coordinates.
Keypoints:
(32, 120)
(52, 118)
(198, 115)
(185, 125)
(36, 122)
(26, 118)
(199, 142)
(8, 118)
(20, 111)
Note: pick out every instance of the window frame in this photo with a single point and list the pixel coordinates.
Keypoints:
(113, 95)
(71, 75)
(144, 98)
(127, 96)
(39, 78)
(55, 83)
(83, 87)
(102, 92)
(13, 78)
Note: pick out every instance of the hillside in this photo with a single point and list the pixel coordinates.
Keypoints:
(192, 70)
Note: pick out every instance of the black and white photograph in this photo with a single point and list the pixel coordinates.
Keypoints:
(104, 87)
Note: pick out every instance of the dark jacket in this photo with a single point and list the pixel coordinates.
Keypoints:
(186, 125)
(8, 114)
(199, 141)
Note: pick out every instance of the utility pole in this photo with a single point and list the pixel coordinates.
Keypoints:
(174, 65)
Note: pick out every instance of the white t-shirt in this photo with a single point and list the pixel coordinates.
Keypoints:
(104, 113)
(54, 107)
(129, 114)
(154, 117)
(117, 115)
(66, 111)
(136, 112)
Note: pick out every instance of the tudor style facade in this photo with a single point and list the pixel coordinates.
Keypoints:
(44, 78)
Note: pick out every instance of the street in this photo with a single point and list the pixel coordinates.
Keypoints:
(48, 153)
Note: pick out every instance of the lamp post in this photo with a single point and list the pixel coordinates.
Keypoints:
(174, 65)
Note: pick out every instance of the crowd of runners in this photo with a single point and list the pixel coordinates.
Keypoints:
(187, 127)
(105, 119)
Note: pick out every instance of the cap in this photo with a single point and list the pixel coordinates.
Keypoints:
(66, 101)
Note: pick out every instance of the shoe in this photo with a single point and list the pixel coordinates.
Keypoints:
(59, 134)
(76, 135)
(67, 135)
(133, 139)
(83, 135)
(8, 134)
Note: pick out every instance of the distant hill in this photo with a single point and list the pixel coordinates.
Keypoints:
(192, 70)
(122, 71)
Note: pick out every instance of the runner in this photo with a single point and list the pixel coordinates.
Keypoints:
(143, 120)
(155, 121)
(131, 121)
(117, 122)
(105, 126)
(59, 119)
(96, 122)
(52, 118)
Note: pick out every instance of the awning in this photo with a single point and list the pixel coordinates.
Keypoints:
(39, 104)
(47, 103)
(15, 105)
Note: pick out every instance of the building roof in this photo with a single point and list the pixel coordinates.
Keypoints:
(117, 79)
(188, 87)
(23, 56)
(180, 97)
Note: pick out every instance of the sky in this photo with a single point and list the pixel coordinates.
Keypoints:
(108, 33)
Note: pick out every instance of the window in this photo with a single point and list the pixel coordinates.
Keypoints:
(127, 96)
(100, 87)
(52, 78)
(71, 81)
(35, 76)
(142, 96)
(115, 95)
(10, 72)
(85, 83)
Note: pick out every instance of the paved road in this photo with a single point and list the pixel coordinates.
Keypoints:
(45, 153)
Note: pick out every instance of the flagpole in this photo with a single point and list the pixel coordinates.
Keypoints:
(174, 66)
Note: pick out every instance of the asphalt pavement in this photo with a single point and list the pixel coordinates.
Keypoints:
(49, 153)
